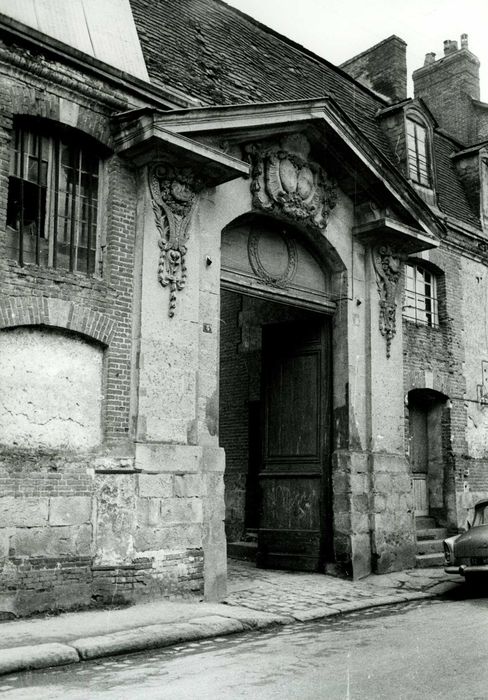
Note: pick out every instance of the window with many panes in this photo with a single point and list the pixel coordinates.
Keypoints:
(418, 153)
(421, 303)
(53, 200)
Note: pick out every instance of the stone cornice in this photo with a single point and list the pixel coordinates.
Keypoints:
(139, 90)
(40, 69)
(394, 233)
(244, 122)
(143, 140)
(466, 240)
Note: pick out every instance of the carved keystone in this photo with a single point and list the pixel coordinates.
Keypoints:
(286, 182)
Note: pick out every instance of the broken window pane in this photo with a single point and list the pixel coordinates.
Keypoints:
(52, 207)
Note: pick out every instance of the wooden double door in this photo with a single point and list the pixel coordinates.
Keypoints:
(294, 479)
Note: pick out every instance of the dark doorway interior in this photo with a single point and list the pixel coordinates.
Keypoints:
(429, 428)
(274, 394)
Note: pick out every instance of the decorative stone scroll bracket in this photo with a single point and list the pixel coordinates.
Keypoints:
(286, 182)
(388, 264)
(173, 195)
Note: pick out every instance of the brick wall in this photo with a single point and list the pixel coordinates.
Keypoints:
(50, 503)
(233, 421)
(436, 358)
(447, 86)
(382, 68)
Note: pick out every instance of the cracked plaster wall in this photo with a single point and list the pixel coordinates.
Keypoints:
(475, 297)
(50, 390)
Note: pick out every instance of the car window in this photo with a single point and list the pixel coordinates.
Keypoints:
(481, 515)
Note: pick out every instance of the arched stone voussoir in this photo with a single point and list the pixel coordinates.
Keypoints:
(58, 313)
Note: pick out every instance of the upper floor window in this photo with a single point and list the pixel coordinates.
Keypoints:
(418, 153)
(52, 211)
(421, 303)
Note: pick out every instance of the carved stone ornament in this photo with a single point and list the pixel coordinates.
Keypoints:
(281, 281)
(388, 267)
(173, 194)
(286, 182)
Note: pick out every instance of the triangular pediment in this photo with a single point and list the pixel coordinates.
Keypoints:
(341, 148)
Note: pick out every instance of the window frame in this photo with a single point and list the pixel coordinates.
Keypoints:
(417, 311)
(83, 213)
(421, 175)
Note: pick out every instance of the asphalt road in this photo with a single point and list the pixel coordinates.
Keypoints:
(430, 650)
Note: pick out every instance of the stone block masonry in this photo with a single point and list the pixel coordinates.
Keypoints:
(78, 525)
(111, 462)
(61, 523)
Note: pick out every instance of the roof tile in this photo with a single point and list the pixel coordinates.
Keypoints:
(219, 55)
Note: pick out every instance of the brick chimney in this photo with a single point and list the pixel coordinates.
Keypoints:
(448, 85)
(383, 68)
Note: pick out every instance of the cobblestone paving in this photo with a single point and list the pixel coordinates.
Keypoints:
(287, 593)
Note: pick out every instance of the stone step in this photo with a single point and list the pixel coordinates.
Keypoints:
(425, 561)
(242, 550)
(432, 533)
(424, 522)
(429, 547)
(251, 535)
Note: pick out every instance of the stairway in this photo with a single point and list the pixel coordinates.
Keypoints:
(246, 548)
(429, 543)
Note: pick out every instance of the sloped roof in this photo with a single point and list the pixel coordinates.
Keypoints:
(219, 55)
(451, 195)
(104, 30)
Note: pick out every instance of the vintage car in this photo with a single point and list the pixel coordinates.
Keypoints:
(467, 553)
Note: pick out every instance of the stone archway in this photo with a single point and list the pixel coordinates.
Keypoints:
(275, 394)
(428, 414)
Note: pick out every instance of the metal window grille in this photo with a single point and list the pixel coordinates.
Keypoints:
(418, 159)
(421, 303)
(52, 212)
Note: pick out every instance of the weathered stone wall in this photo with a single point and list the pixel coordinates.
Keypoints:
(473, 465)
(76, 530)
(78, 524)
(234, 414)
(449, 359)
(46, 530)
(51, 390)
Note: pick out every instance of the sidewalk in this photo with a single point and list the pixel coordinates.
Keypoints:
(257, 598)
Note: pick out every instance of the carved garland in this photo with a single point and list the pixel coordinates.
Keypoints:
(388, 266)
(173, 194)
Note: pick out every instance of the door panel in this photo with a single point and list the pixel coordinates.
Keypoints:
(293, 484)
(419, 457)
(420, 495)
(293, 429)
(418, 439)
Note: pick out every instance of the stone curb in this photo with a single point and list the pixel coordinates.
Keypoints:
(335, 609)
(38, 656)
(164, 635)
(136, 639)
(156, 636)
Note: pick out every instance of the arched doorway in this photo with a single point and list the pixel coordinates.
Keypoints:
(275, 394)
(428, 412)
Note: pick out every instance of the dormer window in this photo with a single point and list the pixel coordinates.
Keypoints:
(418, 153)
